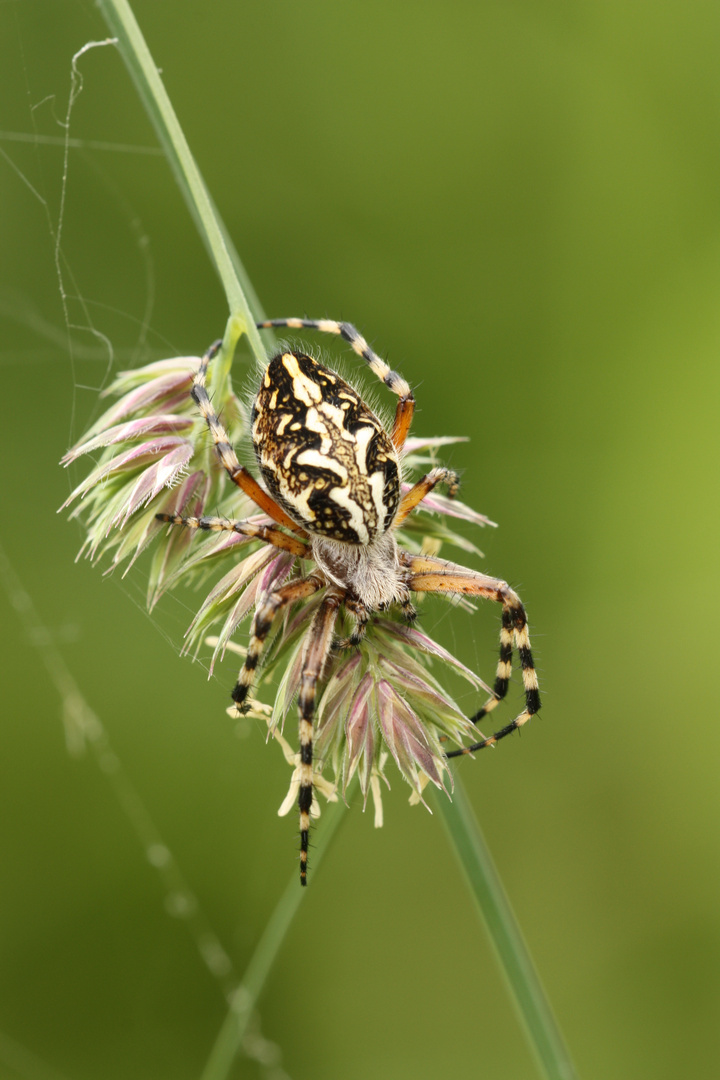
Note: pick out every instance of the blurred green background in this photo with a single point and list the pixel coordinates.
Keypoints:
(519, 204)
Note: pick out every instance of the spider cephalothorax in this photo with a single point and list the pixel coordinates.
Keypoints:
(333, 489)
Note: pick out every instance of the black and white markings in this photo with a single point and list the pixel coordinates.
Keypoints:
(324, 456)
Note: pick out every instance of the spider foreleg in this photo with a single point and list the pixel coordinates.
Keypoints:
(428, 574)
(261, 626)
(225, 452)
(424, 486)
(319, 643)
(245, 528)
(393, 381)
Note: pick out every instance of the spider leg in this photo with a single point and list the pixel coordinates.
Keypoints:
(424, 486)
(319, 644)
(428, 574)
(298, 589)
(225, 452)
(362, 618)
(246, 528)
(393, 381)
(409, 611)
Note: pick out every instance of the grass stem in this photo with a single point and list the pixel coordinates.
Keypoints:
(241, 297)
(512, 953)
(244, 998)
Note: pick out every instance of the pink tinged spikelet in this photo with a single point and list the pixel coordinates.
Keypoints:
(415, 443)
(417, 640)
(360, 735)
(220, 599)
(161, 424)
(334, 705)
(178, 452)
(441, 504)
(407, 739)
(435, 707)
(205, 551)
(428, 529)
(187, 498)
(136, 536)
(164, 474)
(276, 573)
(272, 572)
(164, 381)
(288, 687)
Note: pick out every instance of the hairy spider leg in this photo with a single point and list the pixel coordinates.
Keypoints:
(319, 645)
(428, 574)
(423, 487)
(272, 536)
(394, 382)
(225, 452)
(362, 617)
(263, 619)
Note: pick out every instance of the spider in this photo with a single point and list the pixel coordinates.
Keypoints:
(332, 488)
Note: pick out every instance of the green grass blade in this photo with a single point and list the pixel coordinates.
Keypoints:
(525, 988)
(241, 297)
(244, 999)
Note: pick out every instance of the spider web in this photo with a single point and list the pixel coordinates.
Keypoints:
(85, 331)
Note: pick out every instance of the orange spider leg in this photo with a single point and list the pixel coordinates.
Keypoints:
(428, 574)
(278, 539)
(403, 419)
(424, 486)
(225, 452)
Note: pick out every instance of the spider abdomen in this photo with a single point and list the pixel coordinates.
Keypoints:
(324, 456)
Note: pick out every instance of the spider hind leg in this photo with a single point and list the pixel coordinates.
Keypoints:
(316, 653)
(429, 574)
(264, 618)
(513, 630)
